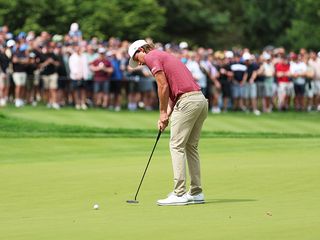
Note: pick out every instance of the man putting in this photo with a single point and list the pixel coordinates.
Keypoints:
(179, 97)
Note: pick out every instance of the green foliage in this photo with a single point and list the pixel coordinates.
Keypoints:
(305, 30)
(219, 24)
(266, 21)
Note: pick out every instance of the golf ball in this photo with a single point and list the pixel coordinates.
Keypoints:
(96, 207)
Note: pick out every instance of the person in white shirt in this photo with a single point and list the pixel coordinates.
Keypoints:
(314, 62)
(298, 71)
(79, 70)
(193, 64)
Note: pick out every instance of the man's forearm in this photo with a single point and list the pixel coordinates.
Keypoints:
(163, 92)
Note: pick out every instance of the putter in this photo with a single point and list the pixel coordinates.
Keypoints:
(135, 197)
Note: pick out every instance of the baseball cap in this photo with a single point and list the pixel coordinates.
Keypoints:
(183, 45)
(11, 43)
(246, 56)
(133, 48)
(229, 54)
(266, 56)
(101, 50)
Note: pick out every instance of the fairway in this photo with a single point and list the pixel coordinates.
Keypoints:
(264, 186)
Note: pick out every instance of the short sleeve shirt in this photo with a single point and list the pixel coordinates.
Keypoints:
(179, 78)
(101, 75)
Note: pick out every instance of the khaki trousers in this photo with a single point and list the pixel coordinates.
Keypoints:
(187, 119)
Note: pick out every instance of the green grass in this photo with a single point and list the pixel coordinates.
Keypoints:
(260, 182)
(43, 122)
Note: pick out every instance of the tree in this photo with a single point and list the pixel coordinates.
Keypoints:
(304, 31)
(266, 22)
(200, 22)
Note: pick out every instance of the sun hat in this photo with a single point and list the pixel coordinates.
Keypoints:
(133, 48)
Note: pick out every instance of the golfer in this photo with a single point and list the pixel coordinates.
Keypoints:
(179, 97)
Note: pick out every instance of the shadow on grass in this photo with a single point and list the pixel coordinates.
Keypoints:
(216, 201)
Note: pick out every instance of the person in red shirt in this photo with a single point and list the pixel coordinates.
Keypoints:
(181, 98)
(285, 86)
(102, 70)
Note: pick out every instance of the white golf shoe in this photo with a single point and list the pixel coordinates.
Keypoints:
(195, 199)
(173, 200)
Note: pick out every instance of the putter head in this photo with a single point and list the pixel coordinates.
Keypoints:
(133, 201)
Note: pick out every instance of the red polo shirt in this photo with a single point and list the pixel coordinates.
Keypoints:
(179, 78)
(282, 67)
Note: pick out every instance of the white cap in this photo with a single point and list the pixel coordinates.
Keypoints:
(11, 43)
(133, 49)
(228, 54)
(74, 27)
(266, 56)
(183, 45)
(101, 50)
(246, 56)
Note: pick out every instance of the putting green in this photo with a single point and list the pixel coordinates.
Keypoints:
(255, 189)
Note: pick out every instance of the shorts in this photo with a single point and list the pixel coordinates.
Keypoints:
(89, 85)
(132, 87)
(285, 88)
(260, 89)
(50, 81)
(299, 89)
(101, 86)
(250, 91)
(226, 89)
(63, 82)
(237, 90)
(268, 89)
(19, 78)
(77, 84)
(309, 91)
(30, 82)
(145, 85)
(36, 79)
(115, 86)
(317, 87)
(3, 80)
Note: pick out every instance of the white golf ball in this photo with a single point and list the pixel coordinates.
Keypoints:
(96, 207)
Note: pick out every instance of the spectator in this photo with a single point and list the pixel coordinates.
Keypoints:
(285, 86)
(267, 71)
(310, 86)
(91, 55)
(213, 91)
(20, 62)
(314, 62)
(225, 79)
(48, 66)
(134, 76)
(4, 78)
(193, 64)
(298, 71)
(238, 83)
(32, 78)
(118, 65)
(63, 75)
(250, 85)
(146, 89)
(78, 66)
(102, 69)
(75, 32)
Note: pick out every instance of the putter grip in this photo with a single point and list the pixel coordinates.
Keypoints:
(159, 134)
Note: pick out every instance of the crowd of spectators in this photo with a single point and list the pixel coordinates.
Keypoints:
(68, 70)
